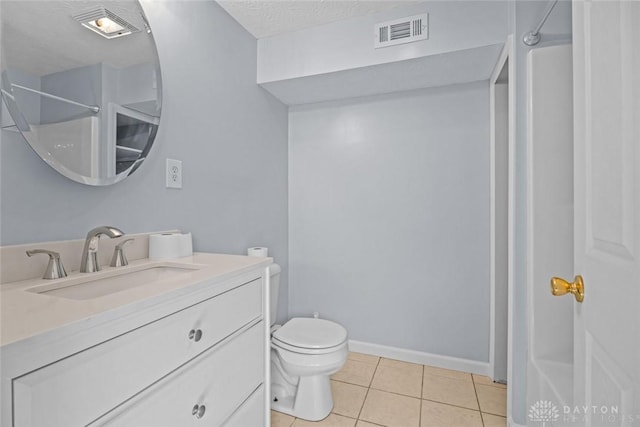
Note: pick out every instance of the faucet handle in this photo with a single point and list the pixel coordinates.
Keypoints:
(55, 269)
(119, 259)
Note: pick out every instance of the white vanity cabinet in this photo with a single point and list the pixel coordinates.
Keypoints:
(205, 392)
(201, 364)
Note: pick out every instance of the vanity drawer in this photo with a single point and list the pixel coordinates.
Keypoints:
(205, 392)
(251, 413)
(77, 390)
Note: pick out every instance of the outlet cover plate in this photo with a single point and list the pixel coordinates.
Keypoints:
(174, 173)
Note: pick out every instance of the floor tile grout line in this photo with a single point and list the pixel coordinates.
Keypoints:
(481, 411)
(396, 393)
(451, 378)
(367, 393)
(451, 404)
(495, 415)
(351, 417)
(347, 382)
(360, 385)
(475, 390)
(362, 407)
(374, 373)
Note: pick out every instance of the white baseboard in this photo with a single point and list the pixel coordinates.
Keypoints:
(447, 362)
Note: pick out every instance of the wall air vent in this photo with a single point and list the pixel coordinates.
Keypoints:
(399, 31)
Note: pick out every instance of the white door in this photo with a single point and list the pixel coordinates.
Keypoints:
(606, 38)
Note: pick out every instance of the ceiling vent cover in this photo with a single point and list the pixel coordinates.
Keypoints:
(104, 22)
(399, 31)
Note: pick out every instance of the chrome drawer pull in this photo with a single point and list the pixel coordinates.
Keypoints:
(195, 334)
(198, 411)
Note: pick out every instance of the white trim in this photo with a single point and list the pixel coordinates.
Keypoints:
(512, 217)
(512, 423)
(492, 214)
(502, 61)
(266, 315)
(413, 356)
(507, 54)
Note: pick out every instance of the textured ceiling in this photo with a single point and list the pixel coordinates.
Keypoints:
(41, 37)
(264, 18)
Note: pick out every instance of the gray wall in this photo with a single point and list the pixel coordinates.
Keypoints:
(29, 103)
(389, 218)
(82, 84)
(230, 134)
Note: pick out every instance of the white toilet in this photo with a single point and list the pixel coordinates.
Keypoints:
(305, 352)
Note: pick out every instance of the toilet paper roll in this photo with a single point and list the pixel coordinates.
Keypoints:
(170, 245)
(258, 251)
(186, 244)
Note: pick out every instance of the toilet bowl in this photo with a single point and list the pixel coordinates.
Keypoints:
(305, 352)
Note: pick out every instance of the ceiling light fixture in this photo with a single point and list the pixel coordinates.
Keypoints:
(105, 23)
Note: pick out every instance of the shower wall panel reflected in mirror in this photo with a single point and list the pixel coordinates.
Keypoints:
(81, 82)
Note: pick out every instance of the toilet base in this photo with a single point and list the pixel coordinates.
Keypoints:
(313, 400)
(283, 404)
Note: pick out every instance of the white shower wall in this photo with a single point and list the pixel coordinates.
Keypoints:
(389, 218)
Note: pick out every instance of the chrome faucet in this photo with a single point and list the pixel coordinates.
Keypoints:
(55, 269)
(90, 262)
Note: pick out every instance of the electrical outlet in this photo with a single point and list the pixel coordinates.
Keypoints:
(174, 173)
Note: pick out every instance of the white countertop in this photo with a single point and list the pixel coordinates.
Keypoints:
(26, 314)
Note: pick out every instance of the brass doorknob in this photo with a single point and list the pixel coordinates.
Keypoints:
(560, 287)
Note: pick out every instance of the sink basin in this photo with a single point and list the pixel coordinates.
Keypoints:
(89, 286)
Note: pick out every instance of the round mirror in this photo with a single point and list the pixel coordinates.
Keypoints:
(81, 81)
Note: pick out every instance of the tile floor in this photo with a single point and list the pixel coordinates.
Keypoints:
(372, 391)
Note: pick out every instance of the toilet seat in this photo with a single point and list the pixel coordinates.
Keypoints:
(306, 351)
(310, 336)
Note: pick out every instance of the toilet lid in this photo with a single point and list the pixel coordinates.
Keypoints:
(311, 333)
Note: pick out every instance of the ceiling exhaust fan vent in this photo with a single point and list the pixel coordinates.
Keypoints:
(104, 22)
(399, 31)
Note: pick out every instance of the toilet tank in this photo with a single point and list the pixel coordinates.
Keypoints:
(274, 273)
